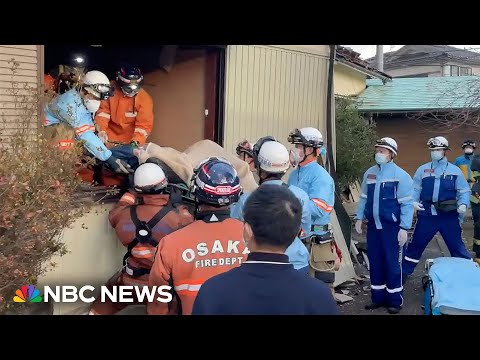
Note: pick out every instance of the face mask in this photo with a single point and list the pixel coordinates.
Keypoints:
(468, 151)
(380, 158)
(295, 157)
(323, 151)
(92, 105)
(436, 155)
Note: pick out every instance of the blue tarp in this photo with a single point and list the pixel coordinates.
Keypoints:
(456, 285)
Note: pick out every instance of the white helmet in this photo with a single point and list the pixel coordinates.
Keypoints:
(273, 157)
(388, 143)
(437, 143)
(309, 137)
(97, 83)
(149, 177)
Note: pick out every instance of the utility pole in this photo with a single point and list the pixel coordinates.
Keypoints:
(380, 57)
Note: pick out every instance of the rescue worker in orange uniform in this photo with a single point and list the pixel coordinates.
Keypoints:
(126, 118)
(140, 220)
(50, 83)
(209, 246)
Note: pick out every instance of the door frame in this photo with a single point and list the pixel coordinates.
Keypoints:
(215, 93)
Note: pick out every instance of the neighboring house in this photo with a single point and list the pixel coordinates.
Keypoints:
(396, 107)
(351, 72)
(429, 61)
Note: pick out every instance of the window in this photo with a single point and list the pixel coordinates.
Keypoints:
(464, 71)
(460, 71)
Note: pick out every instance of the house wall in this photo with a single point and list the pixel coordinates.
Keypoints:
(19, 89)
(347, 81)
(431, 70)
(179, 101)
(271, 90)
(414, 70)
(412, 139)
(94, 255)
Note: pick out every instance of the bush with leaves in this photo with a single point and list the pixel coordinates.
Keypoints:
(355, 142)
(38, 193)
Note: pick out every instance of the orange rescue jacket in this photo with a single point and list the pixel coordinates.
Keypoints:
(126, 215)
(126, 119)
(188, 257)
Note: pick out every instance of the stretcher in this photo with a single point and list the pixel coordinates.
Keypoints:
(451, 287)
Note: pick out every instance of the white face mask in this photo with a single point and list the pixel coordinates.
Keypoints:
(295, 157)
(468, 151)
(436, 154)
(381, 158)
(92, 105)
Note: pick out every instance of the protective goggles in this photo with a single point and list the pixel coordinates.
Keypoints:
(468, 143)
(436, 143)
(296, 137)
(244, 148)
(102, 91)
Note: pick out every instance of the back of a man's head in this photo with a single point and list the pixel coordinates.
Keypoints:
(274, 214)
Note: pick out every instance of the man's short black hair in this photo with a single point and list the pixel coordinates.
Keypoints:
(274, 214)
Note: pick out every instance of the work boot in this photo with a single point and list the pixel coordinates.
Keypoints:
(373, 306)
(393, 310)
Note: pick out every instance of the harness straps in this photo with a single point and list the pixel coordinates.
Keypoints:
(143, 231)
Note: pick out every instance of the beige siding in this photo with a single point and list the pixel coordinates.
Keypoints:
(348, 81)
(95, 254)
(19, 79)
(270, 90)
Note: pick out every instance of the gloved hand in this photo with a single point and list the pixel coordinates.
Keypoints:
(418, 206)
(462, 209)
(119, 166)
(102, 135)
(358, 226)
(402, 237)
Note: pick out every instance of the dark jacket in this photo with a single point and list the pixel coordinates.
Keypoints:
(265, 284)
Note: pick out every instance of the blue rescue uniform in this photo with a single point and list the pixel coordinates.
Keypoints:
(69, 109)
(433, 183)
(297, 251)
(386, 202)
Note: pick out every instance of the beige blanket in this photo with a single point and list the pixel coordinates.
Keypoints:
(183, 163)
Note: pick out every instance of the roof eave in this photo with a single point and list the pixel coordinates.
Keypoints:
(377, 74)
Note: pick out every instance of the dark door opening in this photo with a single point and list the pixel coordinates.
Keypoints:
(185, 82)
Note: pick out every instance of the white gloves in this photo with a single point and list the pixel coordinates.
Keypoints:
(358, 226)
(402, 237)
(418, 206)
(462, 209)
(102, 135)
